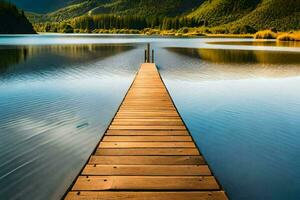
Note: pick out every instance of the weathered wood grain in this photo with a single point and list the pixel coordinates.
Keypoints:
(147, 139)
(105, 183)
(146, 170)
(146, 144)
(191, 195)
(147, 160)
(148, 152)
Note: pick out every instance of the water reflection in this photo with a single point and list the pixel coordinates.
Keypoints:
(271, 43)
(240, 56)
(19, 61)
(209, 64)
(10, 57)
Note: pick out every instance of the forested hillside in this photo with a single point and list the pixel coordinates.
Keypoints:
(144, 8)
(216, 16)
(279, 14)
(259, 14)
(218, 12)
(12, 20)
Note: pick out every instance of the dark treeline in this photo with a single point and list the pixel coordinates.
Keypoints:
(132, 22)
(12, 20)
(110, 22)
(138, 24)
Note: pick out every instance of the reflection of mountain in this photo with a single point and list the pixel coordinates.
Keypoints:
(59, 56)
(52, 61)
(10, 57)
(240, 56)
(214, 64)
(260, 43)
(78, 53)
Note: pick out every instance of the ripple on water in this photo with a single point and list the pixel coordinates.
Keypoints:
(242, 108)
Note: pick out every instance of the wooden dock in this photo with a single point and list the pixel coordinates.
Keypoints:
(147, 152)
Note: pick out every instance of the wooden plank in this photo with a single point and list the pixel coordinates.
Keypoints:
(147, 90)
(146, 170)
(148, 93)
(147, 132)
(119, 127)
(146, 112)
(147, 108)
(140, 96)
(146, 144)
(148, 105)
(147, 123)
(147, 120)
(148, 152)
(148, 101)
(98, 183)
(147, 138)
(212, 195)
(144, 117)
(147, 160)
(164, 112)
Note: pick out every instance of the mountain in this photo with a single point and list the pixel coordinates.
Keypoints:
(77, 7)
(125, 7)
(259, 14)
(12, 20)
(280, 14)
(217, 12)
(230, 15)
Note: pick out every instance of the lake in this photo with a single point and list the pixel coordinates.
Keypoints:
(239, 98)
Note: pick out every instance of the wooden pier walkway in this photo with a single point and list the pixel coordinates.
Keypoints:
(147, 153)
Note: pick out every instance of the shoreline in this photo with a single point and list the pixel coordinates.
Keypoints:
(162, 35)
(187, 35)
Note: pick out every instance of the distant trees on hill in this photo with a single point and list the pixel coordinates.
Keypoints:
(91, 23)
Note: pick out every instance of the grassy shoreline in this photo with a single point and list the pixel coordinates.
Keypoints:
(280, 36)
(193, 32)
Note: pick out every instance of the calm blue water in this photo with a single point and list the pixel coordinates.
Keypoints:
(59, 93)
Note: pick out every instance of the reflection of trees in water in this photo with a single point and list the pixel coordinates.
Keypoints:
(12, 56)
(215, 64)
(227, 56)
(38, 57)
(79, 52)
(260, 43)
(240, 56)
